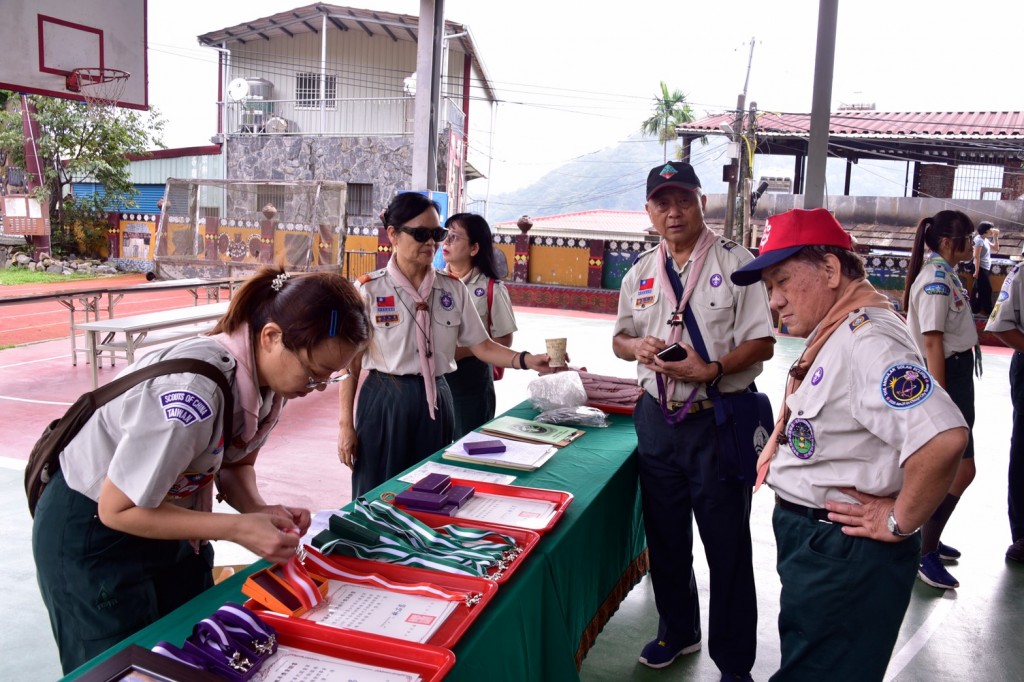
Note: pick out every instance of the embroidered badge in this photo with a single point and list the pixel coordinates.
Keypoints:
(905, 385)
(859, 322)
(940, 274)
(716, 280)
(645, 295)
(767, 232)
(385, 304)
(185, 407)
(387, 319)
(801, 438)
(817, 376)
(479, 291)
(188, 484)
(447, 302)
(668, 171)
(937, 289)
(761, 437)
(1003, 295)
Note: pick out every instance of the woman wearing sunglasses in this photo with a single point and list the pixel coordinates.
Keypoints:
(469, 254)
(121, 533)
(420, 316)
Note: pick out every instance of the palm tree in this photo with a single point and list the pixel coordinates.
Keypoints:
(670, 110)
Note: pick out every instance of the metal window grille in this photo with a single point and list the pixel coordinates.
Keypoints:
(307, 91)
(360, 199)
(978, 182)
(270, 194)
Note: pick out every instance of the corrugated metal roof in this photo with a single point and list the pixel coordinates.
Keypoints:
(598, 224)
(309, 19)
(1004, 125)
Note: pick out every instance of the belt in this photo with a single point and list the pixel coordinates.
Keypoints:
(813, 513)
(695, 406)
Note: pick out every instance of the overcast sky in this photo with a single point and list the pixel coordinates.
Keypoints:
(577, 76)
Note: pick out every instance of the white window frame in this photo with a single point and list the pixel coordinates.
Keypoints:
(307, 90)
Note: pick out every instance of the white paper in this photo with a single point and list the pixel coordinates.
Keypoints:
(517, 453)
(298, 665)
(421, 472)
(408, 617)
(521, 512)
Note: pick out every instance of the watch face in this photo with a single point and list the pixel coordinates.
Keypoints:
(891, 522)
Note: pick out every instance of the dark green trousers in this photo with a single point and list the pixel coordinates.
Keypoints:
(472, 386)
(100, 585)
(843, 600)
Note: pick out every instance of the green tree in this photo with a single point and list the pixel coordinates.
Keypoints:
(81, 144)
(670, 110)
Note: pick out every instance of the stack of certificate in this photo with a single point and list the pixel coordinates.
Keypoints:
(517, 454)
(531, 431)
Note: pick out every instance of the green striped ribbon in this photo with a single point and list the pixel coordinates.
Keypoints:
(379, 531)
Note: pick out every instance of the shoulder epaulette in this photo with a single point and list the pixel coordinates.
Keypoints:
(727, 244)
(445, 273)
(376, 274)
(646, 253)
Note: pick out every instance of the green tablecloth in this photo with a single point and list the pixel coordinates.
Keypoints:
(544, 618)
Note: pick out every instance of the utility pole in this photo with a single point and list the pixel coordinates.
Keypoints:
(748, 175)
(738, 163)
(821, 103)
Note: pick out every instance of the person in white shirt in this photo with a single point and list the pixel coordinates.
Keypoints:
(981, 295)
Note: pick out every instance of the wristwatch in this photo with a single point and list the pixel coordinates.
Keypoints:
(894, 527)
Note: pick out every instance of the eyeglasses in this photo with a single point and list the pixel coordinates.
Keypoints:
(312, 383)
(453, 237)
(423, 234)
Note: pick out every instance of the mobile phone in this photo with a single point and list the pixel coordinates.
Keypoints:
(673, 353)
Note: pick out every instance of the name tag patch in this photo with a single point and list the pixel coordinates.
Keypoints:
(905, 385)
(185, 407)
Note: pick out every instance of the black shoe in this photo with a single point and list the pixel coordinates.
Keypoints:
(1016, 551)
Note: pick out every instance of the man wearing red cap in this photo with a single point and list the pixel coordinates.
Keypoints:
(672, 292)
(866, 447)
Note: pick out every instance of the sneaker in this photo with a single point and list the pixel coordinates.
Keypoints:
(934, 573)
(1016, 551)
(658, 653)
(737, 677)
(947, 553)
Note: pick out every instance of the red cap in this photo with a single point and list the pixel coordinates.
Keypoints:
(785, 234)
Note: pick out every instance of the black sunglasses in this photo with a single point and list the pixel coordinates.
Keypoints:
(422, 234)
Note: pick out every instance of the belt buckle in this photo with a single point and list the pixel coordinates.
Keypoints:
(675, 404)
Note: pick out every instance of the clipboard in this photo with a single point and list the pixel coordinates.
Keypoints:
(446, 635)
(430, 662)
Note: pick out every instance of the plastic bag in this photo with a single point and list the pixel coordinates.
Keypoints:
(561, 389)
(574, 416)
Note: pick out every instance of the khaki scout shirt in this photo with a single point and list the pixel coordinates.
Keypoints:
(939, 303)
(865, 406)
(162, 439)
(728, 315)
(503, 321)
(454, 322)
(1006, 311)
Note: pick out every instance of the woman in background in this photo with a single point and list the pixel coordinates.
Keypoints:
(981, 297)
(469, 254)
(939, 315)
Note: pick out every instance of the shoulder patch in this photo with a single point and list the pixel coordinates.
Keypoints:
(644, 254)
(905, 385)
(937, 289)
(940, 274)
(376, 274)
(727, 244)
(185, 407)
(445, 273)
(859, 321)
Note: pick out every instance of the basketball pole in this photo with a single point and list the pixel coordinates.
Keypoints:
(33, 169)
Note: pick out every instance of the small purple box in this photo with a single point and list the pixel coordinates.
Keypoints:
(483, 447)
(459, 494)
(433, 483)
(421, 500)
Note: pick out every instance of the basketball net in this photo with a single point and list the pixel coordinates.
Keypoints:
(101, 88)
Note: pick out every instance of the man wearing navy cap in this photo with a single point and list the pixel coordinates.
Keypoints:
(865, 449)
(686, 277)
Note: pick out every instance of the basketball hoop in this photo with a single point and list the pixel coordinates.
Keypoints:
(101, 87)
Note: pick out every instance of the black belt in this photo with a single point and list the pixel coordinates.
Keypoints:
(813, 513)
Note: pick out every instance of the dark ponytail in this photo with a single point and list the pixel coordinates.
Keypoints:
(949, 224)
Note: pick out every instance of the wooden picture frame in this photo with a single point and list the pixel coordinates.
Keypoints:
(135, 664)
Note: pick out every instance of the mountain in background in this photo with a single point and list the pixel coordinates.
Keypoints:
(615, 178)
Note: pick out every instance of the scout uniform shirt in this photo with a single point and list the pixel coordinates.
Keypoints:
(1006, 312)
(728, 315)
(454, 322)
(865, 406)
(161, 440)
(502, 320)
(939, 303)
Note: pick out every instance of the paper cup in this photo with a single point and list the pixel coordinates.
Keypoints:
(556, 352)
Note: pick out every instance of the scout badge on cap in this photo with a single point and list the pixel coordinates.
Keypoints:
(672, 174)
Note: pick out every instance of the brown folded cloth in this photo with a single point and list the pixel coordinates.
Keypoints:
(608, 390)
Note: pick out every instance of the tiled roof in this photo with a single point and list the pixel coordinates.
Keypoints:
(597, 223)
(958, 124)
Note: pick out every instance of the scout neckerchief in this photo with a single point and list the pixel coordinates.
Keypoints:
(859, 294)
(422, 297)
(379, 531)
(937, 260)
(239, 344)
(668, 281)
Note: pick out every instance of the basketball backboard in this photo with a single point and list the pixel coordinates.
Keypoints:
(45, 39)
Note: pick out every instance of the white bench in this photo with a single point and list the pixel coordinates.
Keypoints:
(148, 329)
